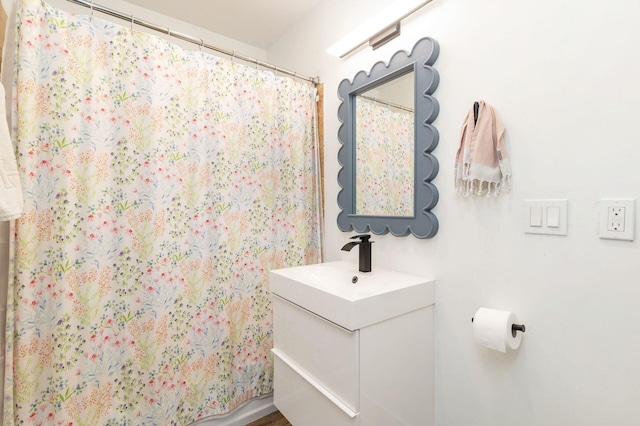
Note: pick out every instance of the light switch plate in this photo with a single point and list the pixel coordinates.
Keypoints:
(554, 217)
(617, 219)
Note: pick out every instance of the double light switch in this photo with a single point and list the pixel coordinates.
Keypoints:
(546, 217)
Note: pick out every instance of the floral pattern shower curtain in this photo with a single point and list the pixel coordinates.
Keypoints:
(384, 159)
(161, 187)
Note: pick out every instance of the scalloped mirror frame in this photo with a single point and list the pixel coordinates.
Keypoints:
(423, 223)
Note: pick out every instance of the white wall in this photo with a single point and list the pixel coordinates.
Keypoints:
(565, 78)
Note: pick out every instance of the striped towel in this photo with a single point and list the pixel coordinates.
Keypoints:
(482, 164)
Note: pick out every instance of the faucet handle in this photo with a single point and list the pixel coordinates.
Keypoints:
(362, 237)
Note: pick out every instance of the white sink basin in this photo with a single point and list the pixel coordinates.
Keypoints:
(326, 289)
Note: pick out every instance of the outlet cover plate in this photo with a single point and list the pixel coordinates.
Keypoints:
(617, 231)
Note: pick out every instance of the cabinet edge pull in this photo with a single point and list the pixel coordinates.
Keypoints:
(336, 401)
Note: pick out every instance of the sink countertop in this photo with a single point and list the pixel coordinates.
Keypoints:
(326, 289)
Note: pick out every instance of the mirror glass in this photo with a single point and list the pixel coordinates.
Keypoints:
(387, 138)
(384, 139)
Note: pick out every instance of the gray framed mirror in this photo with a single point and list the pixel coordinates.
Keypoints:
(387, 138)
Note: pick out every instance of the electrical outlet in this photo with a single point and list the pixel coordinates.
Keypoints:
(617, 219)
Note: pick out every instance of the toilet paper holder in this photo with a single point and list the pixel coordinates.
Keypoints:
(514, 328)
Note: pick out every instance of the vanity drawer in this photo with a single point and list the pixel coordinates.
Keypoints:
(304, 402)
(322, 350)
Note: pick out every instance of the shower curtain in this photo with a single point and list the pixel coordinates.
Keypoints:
(161, 186)
(384, 159)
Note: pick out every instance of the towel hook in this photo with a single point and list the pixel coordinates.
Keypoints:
(476, 109)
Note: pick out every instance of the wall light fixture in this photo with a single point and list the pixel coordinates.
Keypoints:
(377, 30)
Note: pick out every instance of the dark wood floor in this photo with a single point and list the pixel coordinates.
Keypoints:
(273, 419)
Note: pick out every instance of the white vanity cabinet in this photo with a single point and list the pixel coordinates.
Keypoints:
(333, 370)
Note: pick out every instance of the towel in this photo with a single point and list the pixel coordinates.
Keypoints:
(482, 164)
(10, 189)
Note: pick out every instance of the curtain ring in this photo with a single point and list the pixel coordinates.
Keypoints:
(169, 32)
(201, 45)
(132, 22)
(91, 7)
(233, 55)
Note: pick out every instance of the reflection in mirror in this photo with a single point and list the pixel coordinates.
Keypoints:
(385, 149)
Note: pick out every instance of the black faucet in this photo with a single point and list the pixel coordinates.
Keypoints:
(365, 251)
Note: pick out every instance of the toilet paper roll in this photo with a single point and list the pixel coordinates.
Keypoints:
(492, 329)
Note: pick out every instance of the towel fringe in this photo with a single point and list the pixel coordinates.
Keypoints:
(479, 187)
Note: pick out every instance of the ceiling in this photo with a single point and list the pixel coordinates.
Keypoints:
(256, 22)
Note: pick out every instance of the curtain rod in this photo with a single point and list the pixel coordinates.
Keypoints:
(130, 18)
(386, 103)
